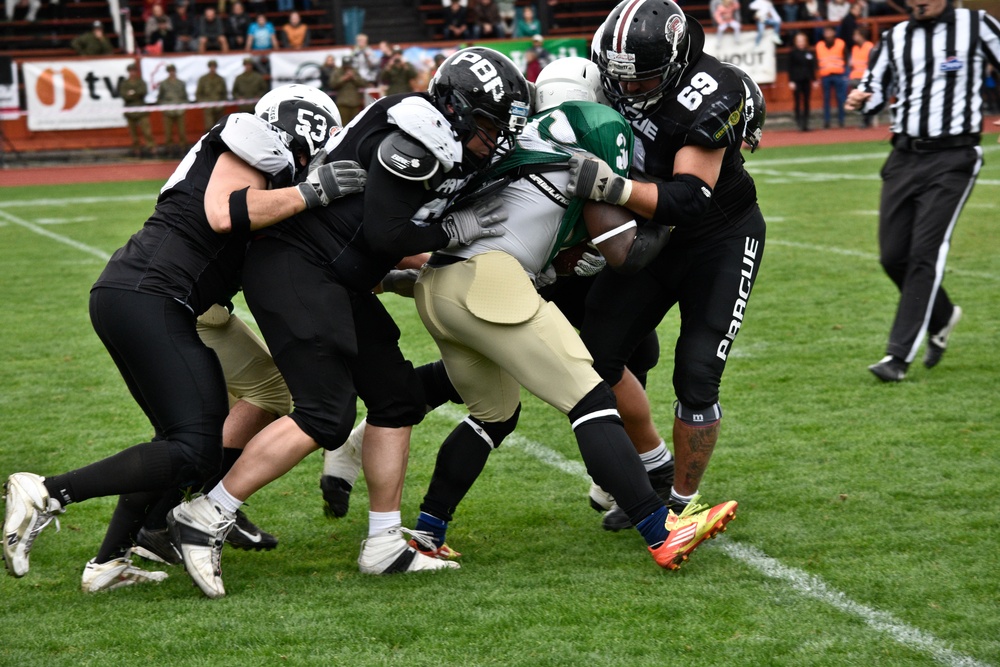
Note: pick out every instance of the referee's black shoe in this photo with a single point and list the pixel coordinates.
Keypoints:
(890, 369)
(937, 342)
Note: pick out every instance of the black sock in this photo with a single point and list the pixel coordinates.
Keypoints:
(125, 523)
(143, 467)
(229, 456)
(461, 458)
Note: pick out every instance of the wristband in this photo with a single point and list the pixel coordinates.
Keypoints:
(239, 214)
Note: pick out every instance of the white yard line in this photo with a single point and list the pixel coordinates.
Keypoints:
(802, 582)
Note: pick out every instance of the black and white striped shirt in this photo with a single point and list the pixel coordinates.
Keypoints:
(935, 70)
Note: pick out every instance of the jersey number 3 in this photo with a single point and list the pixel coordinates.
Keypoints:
(701, 85)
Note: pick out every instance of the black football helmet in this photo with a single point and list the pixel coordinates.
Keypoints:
(640, 40)
(755, 110)
(482, 84)
(305, 114)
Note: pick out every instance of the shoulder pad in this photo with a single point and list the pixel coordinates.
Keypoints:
(720, 122)
(418, 118)
(406, 157)
(259, 144)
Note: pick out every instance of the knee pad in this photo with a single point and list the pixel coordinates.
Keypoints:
(493, 433)
(705, 417)
(599, 404)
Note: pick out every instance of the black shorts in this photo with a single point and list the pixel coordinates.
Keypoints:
(330, 343)
(711, 281)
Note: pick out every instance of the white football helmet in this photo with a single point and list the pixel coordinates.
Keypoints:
(568, 79)
(306, 114)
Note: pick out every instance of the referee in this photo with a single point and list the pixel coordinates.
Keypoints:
(933, 64)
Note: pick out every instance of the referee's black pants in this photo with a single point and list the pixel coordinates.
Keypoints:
(922, 196)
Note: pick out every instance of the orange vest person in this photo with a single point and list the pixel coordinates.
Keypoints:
(859, 58)
(830, 54)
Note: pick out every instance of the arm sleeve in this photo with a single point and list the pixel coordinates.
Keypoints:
(390, 204)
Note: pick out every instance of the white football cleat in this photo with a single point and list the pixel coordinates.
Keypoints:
(29, 510)
(115, 574)
(199, 530)
(389, 553)
(600, 499)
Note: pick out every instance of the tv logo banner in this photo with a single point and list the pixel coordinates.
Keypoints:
(74, 94)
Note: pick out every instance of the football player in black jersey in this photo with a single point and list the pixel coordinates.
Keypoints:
(688, 112)
(309, 282)
(188, 256)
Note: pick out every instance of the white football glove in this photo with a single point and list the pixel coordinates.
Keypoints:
(331, 181)
(590, 264)
(474, 222)
(592, 178)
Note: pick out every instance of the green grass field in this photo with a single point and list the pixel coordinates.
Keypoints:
(867, 532)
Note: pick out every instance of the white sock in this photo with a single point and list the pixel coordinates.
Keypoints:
(674, 495)
(224, 498)
(657, 457)
(379, 522)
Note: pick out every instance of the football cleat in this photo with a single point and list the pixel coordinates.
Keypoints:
(29, 509)
(615, 519)
(199, 530)
(600, 499)
(443, 552)
(685, 531)
(156, 545)
(889, 369)
(390, 553)
(341, 468)
(115, 574)
(936, 343)
(247, 536)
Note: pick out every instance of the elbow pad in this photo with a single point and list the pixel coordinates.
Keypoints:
(649, 241)
(683, 201)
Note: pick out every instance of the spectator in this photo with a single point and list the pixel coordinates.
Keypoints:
(261, 35)
(164, 40)
(535, 58)
(831, 67)
(185, 27)
(398, 74)
(365, 60)
(859, 63)
(33, 7)
(237, 24)
(488, 23)
(296, 33)
(156, 12)
(727, 17)
(472, 18)
(173, 91)
(286, 5)
(133, 90)
(349, 85)
(791, 10)
(801, 78)
(547, 14)
(148, 5)
(528, 25)
(508, 15)
(93, 42)
(456, 24)
(836, 10)
(249, 85)
(766, 16)
(326, 70)
(385, 55)
(211, 32)
(211, 88)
